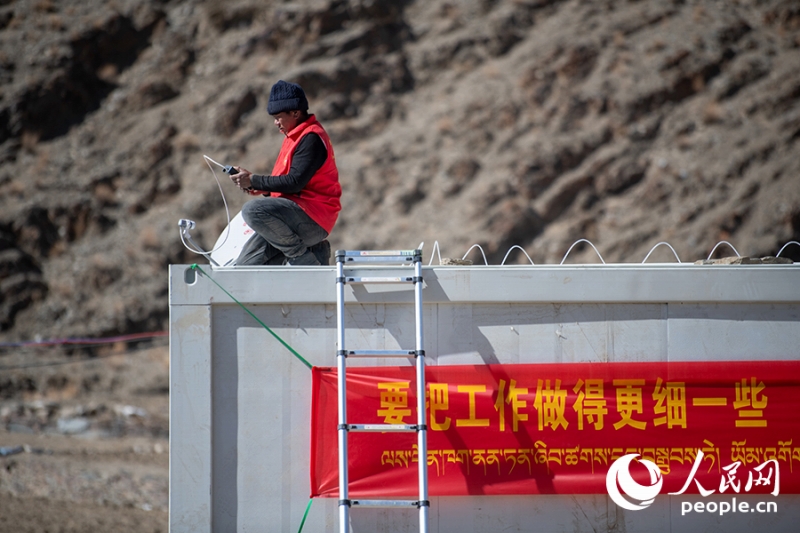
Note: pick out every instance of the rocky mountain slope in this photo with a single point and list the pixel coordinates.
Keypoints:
(499, 122)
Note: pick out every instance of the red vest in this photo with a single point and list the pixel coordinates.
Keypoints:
(320, 197)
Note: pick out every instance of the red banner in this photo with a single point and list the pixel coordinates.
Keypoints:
(557, 428)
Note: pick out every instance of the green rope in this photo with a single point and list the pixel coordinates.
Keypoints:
(305, 515)
(294, 352)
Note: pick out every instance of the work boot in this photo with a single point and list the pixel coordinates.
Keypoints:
(322, 251)
(306, 259)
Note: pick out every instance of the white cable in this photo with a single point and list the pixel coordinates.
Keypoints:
(485, 262)
(715, 248)
(186, 245)
(435, 250)
(785, 245)
(194, 248)
(186, 239)
(523, 251)
(656, 246)
(220, 165)
(573, 246)
(438, 251)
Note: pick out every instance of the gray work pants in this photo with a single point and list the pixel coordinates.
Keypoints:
(283, 233)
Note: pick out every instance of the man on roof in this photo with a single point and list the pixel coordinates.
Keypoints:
(298, 202)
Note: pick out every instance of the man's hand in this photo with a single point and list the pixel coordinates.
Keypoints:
(242, 179)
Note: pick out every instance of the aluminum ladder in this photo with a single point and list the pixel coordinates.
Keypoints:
(345, 258)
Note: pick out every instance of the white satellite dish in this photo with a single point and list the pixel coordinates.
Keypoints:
(229, 245)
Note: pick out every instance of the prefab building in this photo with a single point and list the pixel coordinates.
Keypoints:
(241, 401)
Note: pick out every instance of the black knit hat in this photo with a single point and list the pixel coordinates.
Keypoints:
(285, 96)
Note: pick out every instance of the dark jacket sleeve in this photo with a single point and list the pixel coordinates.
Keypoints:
(308, 157)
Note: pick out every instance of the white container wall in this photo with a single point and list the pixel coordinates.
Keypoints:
(240, 401)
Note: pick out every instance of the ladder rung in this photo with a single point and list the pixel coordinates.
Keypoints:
(384, 503)
(381, 353)
(394, 279)
(398, 428)
(378, 256)
(376, 253)
(385, 259)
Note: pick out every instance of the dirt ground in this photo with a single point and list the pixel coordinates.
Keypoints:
(84, 443)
